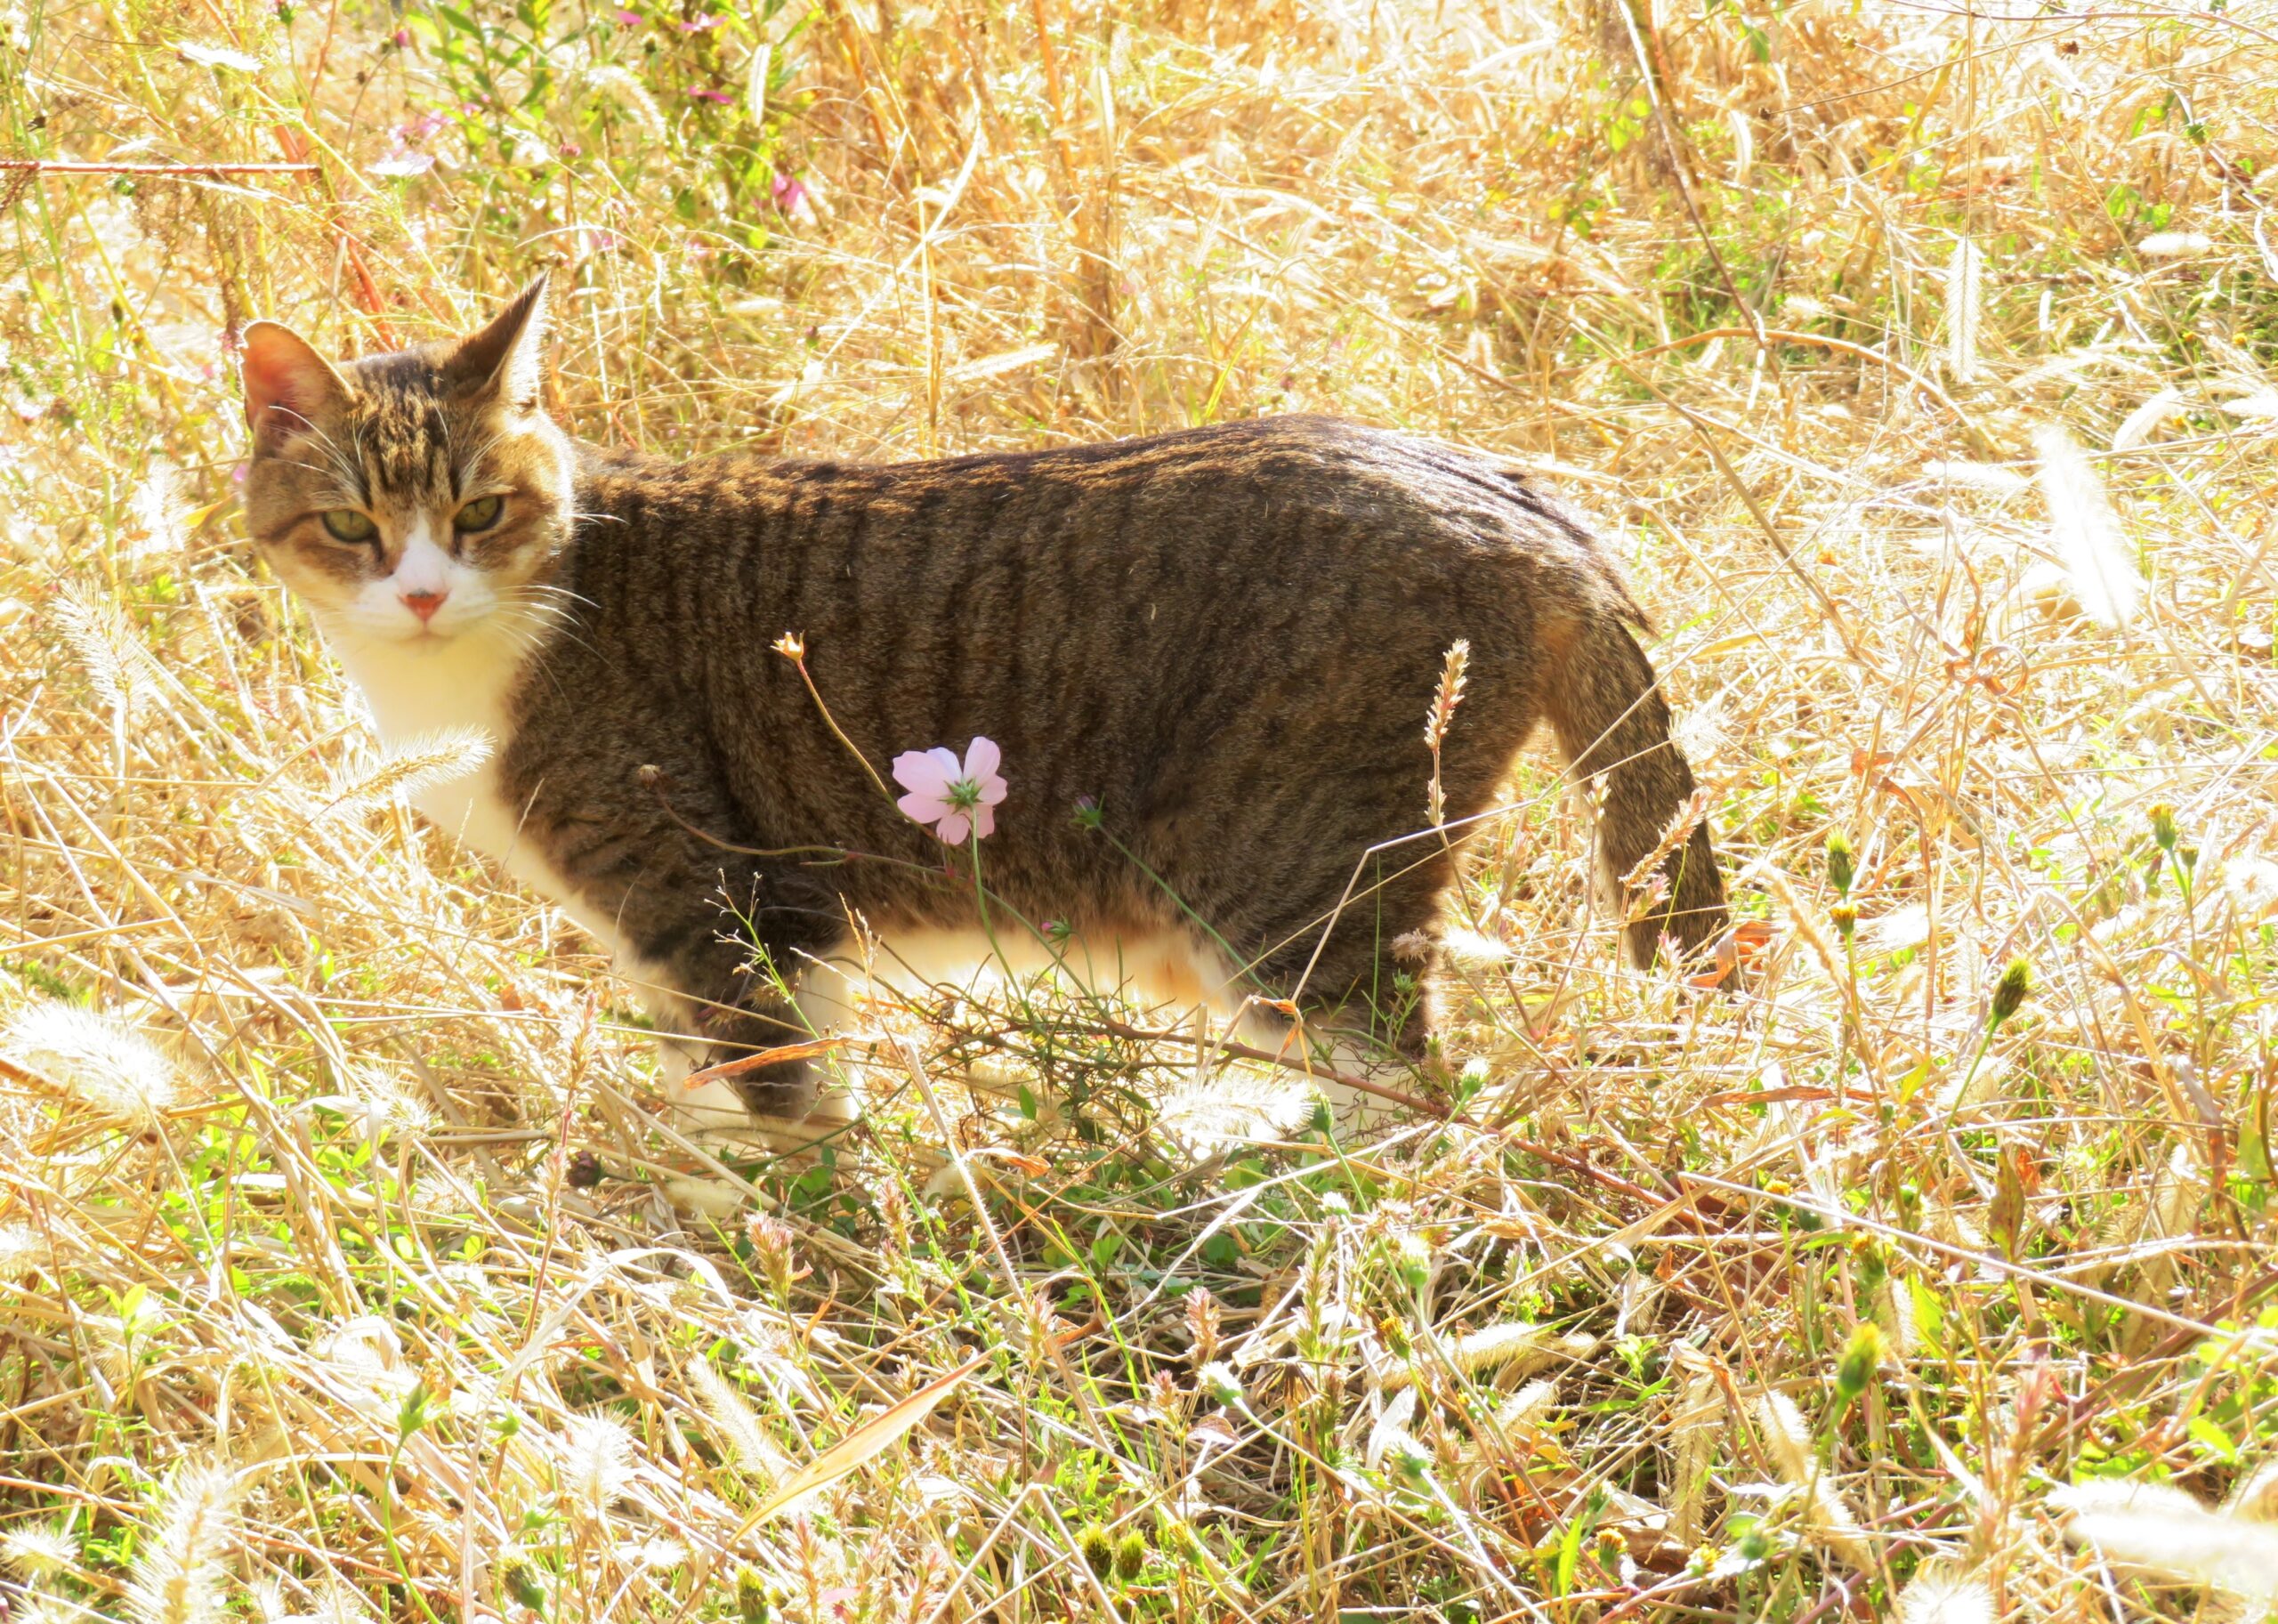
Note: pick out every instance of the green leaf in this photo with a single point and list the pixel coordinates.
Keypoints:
(2213, 1439)
(2254, 1152)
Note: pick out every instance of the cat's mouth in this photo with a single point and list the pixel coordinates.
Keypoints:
(416, 636)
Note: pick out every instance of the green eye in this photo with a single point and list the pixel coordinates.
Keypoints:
(346, 524)
(479, 515)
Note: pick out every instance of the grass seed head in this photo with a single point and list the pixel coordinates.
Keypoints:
(1943, 1592)
(2163, 1529)
(39, 1551)
(181, 1576)
(99, 1061)
(2086, 532)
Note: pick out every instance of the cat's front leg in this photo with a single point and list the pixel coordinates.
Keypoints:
(741, 1037)
(743, 1021)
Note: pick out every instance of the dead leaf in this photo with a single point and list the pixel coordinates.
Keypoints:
(765, 1057)
(860, 1446)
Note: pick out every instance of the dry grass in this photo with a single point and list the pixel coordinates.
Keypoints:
(1921, 365)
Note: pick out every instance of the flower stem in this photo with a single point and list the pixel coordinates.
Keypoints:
(831, 722)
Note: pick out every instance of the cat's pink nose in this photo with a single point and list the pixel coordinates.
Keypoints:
(422, 604)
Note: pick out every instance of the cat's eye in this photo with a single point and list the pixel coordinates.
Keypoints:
(346, 524)
(479, 514)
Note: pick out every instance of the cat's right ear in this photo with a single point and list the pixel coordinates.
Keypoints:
(288, 385)
(507, 358)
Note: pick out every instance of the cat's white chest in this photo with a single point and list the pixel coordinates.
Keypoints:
(467, 683)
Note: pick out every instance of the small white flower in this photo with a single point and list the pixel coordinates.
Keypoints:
(1219, 1382)
(2251, 884)
(22, 1249)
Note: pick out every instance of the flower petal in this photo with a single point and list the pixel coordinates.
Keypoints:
(981, 759)
(920, 772)
(992, 790)
(945, 759)
(923, 807)
(984, 819)
(954, 828)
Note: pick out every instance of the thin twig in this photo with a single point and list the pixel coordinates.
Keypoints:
(44, 165)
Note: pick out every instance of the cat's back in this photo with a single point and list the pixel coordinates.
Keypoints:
(1269, 497)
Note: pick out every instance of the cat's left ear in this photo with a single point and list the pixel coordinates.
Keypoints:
(289, 388)
(507, 359)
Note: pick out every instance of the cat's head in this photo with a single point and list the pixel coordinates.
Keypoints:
(412, 497)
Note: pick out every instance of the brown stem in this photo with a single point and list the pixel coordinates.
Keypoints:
(42, 165)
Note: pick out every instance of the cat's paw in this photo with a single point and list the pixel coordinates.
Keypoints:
(784, 1089)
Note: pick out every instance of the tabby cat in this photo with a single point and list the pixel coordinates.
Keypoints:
(1204, 658)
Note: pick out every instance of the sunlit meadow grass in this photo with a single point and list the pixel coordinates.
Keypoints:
(1920, 364)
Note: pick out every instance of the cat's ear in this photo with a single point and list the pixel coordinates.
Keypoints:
(507, 359)
(288, 385)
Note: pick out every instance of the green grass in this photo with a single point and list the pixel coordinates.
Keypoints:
(389, 1289)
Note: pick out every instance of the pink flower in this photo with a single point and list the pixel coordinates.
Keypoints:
(955, 799)
(702, 23)
(791, 196)
(626, 18)
(720, 97)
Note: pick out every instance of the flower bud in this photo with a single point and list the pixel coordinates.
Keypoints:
(774, 1246)
(1099, 1549)
(2010, 991)
(1854, 1371)
(754, 1604)
(1130, 1555)
(2162, 821)
(1842, 867)
(1412, 1261)
(1846, 916)
(523, 1585)
(1871, 1259)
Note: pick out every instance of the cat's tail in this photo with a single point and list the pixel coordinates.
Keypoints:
(1614, 727)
